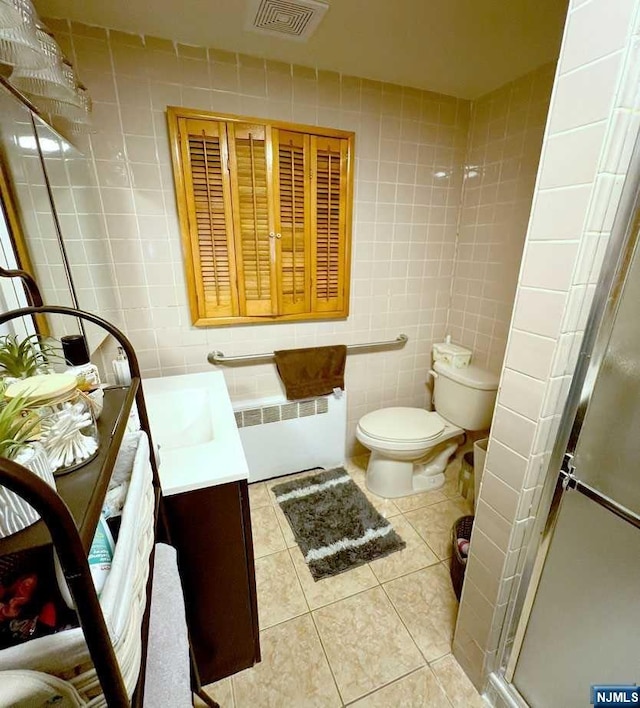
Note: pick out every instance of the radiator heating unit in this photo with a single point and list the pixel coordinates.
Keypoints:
(281, 437)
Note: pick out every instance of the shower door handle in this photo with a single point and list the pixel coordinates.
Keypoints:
(570, 481)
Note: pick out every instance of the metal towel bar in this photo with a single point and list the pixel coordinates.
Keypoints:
(219, 358)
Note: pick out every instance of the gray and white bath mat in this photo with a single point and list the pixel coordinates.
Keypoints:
(334, 523)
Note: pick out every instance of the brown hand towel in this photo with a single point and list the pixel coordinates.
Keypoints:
(314, 371)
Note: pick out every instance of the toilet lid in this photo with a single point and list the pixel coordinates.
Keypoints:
(402, 424)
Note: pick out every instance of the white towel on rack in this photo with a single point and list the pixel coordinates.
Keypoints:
(25, 689)
(167, 680)
(117, 592)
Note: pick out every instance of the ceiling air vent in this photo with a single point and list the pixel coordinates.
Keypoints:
(295, 19)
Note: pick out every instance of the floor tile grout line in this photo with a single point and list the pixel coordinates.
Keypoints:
(347, 597)
(326, 656)
(413, 570)
(405, 573)
(231, 689)
(233, 692)
(255, 508)
(271, 553)
(386, 685)
(358, 592)
(378, 688)
(295, 570)
(441, 683)
(423, 538)
(282, 621)
(402, 622)
(321, 646)
(266, 555)
(442, 687)
(304, 597)
(275, 516)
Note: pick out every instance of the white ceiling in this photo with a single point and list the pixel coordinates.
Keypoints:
(460, 47)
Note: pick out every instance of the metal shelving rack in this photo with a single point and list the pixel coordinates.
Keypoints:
(69, 516)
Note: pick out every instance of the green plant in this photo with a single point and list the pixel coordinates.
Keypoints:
(21, 359)
(17, 424)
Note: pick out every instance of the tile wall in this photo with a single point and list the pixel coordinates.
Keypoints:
(503, 153)
(593, 123)
(410, 148)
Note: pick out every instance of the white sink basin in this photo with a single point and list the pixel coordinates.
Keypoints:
(192, 421)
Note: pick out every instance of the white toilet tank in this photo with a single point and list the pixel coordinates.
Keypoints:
(465, 396)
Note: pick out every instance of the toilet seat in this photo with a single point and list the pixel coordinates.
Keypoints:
(402, 424)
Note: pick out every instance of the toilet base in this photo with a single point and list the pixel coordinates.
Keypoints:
(426, 482)
(390, 478)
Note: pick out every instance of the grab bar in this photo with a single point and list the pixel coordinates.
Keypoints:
(218, 357)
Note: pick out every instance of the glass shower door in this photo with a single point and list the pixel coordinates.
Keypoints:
(584, 626)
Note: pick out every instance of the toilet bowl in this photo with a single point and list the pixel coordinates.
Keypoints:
(411, 447)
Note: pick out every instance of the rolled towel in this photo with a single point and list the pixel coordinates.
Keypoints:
(463, 547)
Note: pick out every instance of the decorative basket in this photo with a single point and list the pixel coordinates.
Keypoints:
(15, 513)
(461, 529)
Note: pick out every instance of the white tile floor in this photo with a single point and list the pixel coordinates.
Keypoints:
(377, 635)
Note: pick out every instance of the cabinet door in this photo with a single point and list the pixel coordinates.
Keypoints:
(209, 246)
(211, 531)
(293, 221)
(329, 189)
(254, 228)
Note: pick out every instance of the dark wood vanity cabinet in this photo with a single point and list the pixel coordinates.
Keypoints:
(211, 530)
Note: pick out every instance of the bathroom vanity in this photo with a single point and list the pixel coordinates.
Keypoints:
(203, 474)
(211, 530)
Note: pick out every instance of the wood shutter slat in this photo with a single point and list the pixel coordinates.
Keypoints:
(293, 221)
(329, 212)
(207, 205)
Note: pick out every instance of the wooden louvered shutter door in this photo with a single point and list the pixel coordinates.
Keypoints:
(208, 211)
(293, 221)
(329, 219)
(254, 231)
(265, 217)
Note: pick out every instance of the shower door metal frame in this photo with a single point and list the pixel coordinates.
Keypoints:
(623, 243)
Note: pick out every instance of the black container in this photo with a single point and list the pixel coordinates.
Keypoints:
(74, 348)
(461, 529)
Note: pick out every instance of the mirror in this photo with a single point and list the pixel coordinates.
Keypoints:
(84, 244)
(54, 222)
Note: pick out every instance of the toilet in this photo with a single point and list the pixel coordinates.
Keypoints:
(410, 447)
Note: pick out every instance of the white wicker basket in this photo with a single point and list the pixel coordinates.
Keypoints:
(15, 513)
(123, 598)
